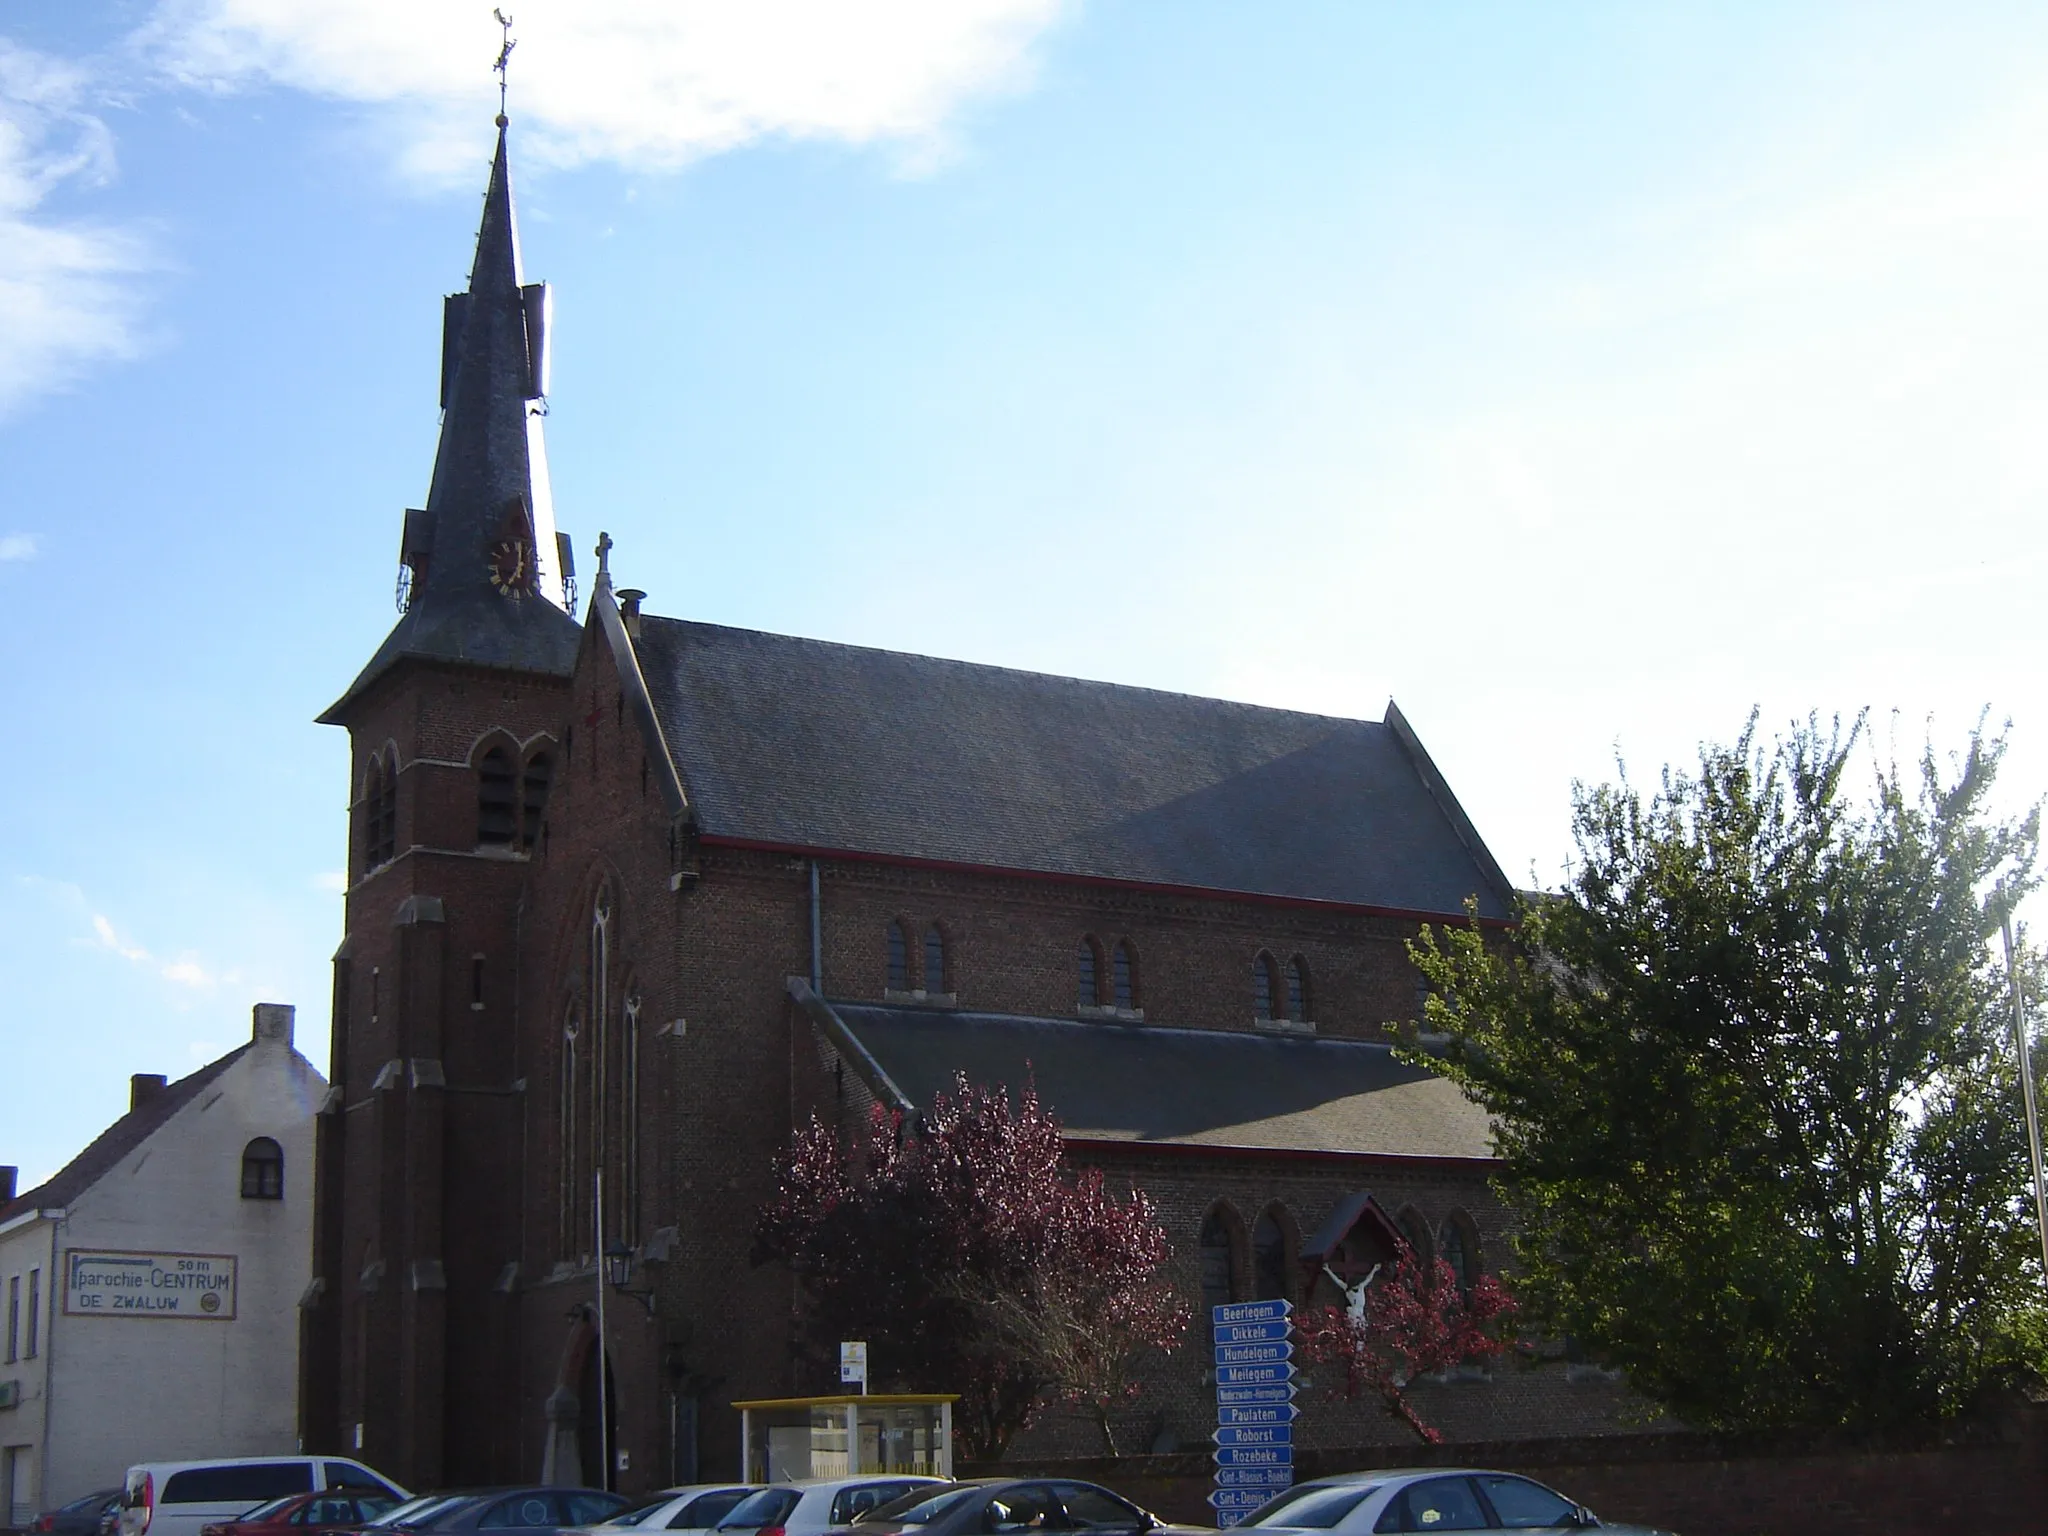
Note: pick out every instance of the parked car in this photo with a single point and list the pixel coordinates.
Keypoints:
(695, 1507)
(306, 1512)
(998, 1506)
(527, 1511)
(1425, 1499)
(81, 1517)
(806, 1508)
(180, 1498)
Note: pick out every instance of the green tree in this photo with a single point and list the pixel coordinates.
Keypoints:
(1755, 1092)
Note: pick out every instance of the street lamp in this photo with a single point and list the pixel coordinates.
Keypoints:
(618, 1272)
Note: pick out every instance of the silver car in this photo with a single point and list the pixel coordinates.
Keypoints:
(1425, 1499)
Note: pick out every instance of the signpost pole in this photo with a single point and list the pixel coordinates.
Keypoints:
(1254, 1405)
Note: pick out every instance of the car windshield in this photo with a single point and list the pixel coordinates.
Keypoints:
(414, 1511)
(640, 1512)
(1311, 1508)
(266, 1510)
(920, 1506)
(768, 1507)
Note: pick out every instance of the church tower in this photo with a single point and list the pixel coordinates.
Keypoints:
(409, 1328)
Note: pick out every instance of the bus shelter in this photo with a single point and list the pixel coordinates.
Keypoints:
(786, 1438)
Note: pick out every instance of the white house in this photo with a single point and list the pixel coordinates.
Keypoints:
(150, 1289)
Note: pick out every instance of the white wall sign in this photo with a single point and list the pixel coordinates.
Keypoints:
(110, 1283)
(853, 1364)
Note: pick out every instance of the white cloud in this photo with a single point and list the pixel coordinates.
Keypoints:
(187, 973)
(66, 296)
(112, 940)
(331, 880)
(18, 546)
(642, 82)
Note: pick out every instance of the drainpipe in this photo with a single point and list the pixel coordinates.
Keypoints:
(817, 938)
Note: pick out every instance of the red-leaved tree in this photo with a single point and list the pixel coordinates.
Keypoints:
(1415, 1324)
(974, 1260)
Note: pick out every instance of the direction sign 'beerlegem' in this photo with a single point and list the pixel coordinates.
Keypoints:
(1254, 1405)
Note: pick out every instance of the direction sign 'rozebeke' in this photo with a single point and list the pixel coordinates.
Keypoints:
(1254, 1406)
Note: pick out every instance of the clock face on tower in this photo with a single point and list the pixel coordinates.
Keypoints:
(511, 567)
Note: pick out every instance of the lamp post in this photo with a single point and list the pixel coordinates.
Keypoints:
(2019, 1040)
(618, 1270)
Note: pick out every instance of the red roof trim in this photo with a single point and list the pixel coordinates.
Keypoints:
(1403, 1160)
(1209, 893)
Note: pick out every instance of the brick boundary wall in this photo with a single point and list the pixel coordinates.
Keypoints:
(1993, 1478)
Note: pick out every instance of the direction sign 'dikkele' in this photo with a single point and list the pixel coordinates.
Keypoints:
(1254, 1406)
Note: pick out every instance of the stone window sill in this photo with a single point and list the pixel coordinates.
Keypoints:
(922, 998)
(1285, 1026)
(1121, 1015)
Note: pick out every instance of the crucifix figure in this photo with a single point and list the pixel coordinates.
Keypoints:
(1348, 1279)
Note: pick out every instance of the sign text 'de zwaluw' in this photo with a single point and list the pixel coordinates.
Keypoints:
(1254, 1407)
(112, 1283)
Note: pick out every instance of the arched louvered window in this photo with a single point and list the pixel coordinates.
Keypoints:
(934, 959)
(899, 956)
(1088, 968)
(380, 813)
(263, 1170)
(497, 799)
(540, 773)
(1265, 985)
(1124, 975)
(1297, 990)
(1270, 1257)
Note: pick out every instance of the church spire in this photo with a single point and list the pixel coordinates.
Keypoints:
(484, 572)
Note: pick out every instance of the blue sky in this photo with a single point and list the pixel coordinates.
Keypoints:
(1581, 376)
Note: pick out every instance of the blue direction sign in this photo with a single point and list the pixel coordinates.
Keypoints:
(1255, 1434)
(1252, 1333)
(1253, 1354)
(1255, 1477)
(1271, 1392)
(1256, 1413)
(1240, 1499)
(1254, 1456)
(1249, 1311)
(1253, 1375)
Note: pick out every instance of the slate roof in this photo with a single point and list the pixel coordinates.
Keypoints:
(487, 457)
(1200, 1087)
(104, 1153)
(809, 744)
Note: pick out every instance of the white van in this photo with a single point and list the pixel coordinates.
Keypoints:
(175, 1498)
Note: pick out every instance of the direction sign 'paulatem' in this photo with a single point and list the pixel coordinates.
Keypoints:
(1257, 1413)
(1272, 1392)
(1249, 1311)
(1255, 1456)
(1253, 1375)
(1252, 1333)
(1254, 1434)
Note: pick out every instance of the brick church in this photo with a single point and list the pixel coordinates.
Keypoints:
(632, 897)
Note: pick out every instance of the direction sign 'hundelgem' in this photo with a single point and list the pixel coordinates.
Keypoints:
(1254, 1405)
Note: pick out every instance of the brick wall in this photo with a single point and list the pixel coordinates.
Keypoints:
(1991, 1477)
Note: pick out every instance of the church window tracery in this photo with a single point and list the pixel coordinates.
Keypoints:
(1265, 985)
(1218, 1242)
(1297, 990)
(380, 812)
(1458, 1246)
(1272, 1254)
(1088, 961)
(540, 774)
(935, 959)
(1124, 975)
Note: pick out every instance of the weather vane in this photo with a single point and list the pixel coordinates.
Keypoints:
(504, 63)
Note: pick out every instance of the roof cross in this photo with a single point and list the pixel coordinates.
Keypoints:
(504, 65)
(604, 557)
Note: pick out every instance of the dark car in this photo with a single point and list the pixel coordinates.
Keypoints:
(524, 1511)
(326, 1510)
(81, 1517)
(1006, 1506)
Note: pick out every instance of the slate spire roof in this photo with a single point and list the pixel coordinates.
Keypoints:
(487, 582)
